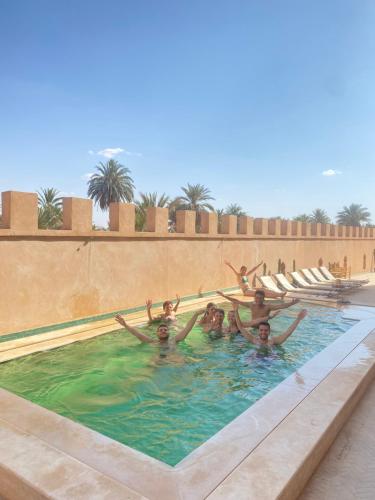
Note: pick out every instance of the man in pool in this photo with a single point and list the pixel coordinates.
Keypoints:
(264, 329)
(217, 326)
(258, 308)
(169, 311)
(162, 331)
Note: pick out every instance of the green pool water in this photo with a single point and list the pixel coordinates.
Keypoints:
(166, 403)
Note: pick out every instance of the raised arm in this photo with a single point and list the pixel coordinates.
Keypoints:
(241, 328)
(227, 263)
(255, 322)
(284, 305)
(177, 303)
(148, 307)
(233, 300)
(189, 325)
(282, 338)
(254, 268)
(134, 331)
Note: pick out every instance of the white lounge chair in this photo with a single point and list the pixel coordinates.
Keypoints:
(322, 279)
(288, 287)
(328, 286)
(302, 283)
(330, 276)
(268, 283)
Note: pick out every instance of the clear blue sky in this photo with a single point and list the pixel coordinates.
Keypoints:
(253, 98)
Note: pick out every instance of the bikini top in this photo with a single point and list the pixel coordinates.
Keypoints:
(245, 279)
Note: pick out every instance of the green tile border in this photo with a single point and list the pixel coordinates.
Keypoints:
(91, 319)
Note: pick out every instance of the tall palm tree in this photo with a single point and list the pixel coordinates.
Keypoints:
(148, 200)
(353, 215)
(302, 218)
(234, 209)
(196, 197)
(49, 209)
(320, 216)
(110, 183)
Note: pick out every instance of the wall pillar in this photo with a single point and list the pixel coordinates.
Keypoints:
(77, 214)
(261, 226)
(246, 225)
(229, 224)
(208, 222)
(20, 211)
(122, 217)
(157, 220)
(185, 221)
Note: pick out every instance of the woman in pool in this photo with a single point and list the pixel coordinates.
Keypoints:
(169, 311)
(243, 282)
(209, 314)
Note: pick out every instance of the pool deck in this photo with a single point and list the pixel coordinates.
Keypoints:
(348, 470)
(268, 452)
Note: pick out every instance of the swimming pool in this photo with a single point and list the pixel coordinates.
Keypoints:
(162, 403)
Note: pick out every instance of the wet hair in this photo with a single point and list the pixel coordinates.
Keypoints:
(260, 293)
(162, 325)
(264, 323)
(243, 267)
(208, 307)
(166, 303)
(221, 311)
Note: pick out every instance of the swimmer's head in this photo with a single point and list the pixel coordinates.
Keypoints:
(264, 329)
(210, 308)
(219, 316)
(259, 297)
(162, 332)
(243, 270)
(231, 316)
(168, 306)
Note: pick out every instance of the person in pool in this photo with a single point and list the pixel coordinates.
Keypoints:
(162, 332)
(258, 308)
(264, 330)
(169, 311)
(208, 316)
(243, 282)
(217, 325)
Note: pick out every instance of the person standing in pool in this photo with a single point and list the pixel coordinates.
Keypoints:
(169, 311)
(258, 308)
(264, 329)
(217, 325)
(162, 331)
(243, 282)
(208, 316)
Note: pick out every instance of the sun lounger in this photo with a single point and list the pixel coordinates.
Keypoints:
(268, 283)
(302, 283)
(309, 277)
(330, 276)
(288, 287)
(322, 279)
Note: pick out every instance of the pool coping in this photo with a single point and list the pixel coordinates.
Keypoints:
(216, 468)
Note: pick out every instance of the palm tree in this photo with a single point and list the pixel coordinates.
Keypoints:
(111, 183)
(196, 197)
(353, 215)
(234, 209)
(49, 209)
(302, 218)
(320, 216)
(148, 200)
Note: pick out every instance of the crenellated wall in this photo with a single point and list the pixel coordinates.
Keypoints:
(51, 276)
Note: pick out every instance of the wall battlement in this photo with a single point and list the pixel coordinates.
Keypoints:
(20, 218)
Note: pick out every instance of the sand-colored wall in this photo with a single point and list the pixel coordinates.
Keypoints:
(54, 276)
